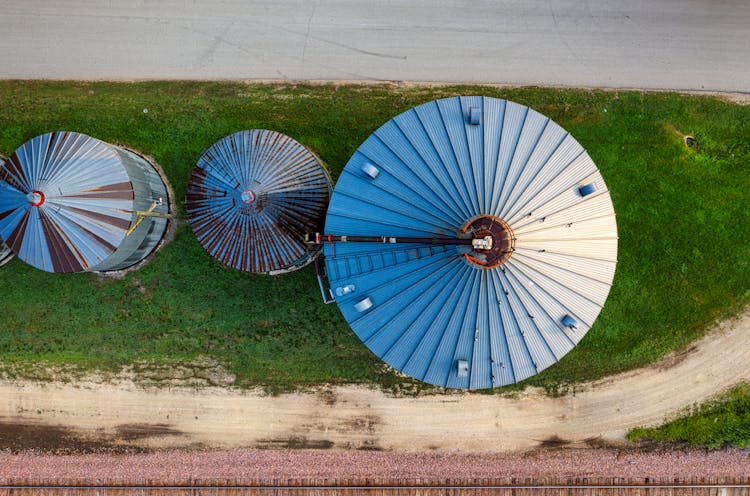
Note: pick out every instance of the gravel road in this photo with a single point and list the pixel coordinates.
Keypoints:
(181, 466)
(669, 44)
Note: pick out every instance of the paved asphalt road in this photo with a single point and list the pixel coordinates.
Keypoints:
(671, 44)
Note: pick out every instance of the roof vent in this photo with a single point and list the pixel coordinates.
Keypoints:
(370, 170)
(570, 322)
(587, 189)
(345, 290)
(475, 116)
(363, 305)
(462, 368)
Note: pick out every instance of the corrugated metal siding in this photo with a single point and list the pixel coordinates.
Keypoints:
(286, 192)
(5, 253)
(430, 307)
(67, 201)
(148, 188)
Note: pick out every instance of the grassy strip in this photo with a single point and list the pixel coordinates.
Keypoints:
(719, 423)
(682, 217)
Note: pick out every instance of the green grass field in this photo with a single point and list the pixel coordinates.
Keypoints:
(716, 424)
(682, 214)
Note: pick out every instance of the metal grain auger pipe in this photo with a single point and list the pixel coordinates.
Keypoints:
(478, 244)
(142, 214)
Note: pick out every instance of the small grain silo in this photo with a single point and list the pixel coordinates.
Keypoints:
(73, 203)
(470, 242)
(252, 199)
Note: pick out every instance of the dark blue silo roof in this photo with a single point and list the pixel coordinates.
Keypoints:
(253, 197)
(463, 316)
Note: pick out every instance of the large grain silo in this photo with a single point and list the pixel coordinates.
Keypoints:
(252, 199)
(470, 242)
(73, 203)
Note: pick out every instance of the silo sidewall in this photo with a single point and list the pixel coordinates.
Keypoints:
(148, 187)
(5, 253)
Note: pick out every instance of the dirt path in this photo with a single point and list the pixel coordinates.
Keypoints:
(358, 417)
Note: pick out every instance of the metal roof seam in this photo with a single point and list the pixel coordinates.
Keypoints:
(433, 172)
(451, 125)
(524, 161)
(597, 209)
(472, 134)
(430, 268)
(442, 307)
(532, 333)
(459, 349)
(510, 154)
(430, 201)
(440, 143)
(491, 118)
(394, 211)
(549, 292)
(534, 172)
(544, 310)
(396, 348)
(563, 184)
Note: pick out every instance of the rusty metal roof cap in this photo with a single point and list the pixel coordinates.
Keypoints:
(252, 198)
(66, 201)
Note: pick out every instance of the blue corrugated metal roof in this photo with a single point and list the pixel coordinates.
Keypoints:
(66, 201)
(447, 314)
(252, 198)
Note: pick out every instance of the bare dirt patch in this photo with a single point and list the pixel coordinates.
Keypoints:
(295, 442)
(555, 442)
(165, 409)
(132, 432)
(18, 437)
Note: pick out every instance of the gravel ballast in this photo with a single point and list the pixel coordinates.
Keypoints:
(182, 467)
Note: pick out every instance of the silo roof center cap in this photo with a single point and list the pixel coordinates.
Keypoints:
(36, 198)
(493, 241)
(248, 196)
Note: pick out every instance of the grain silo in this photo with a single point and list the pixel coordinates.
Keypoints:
(73, 203)
(470, 242)
(252, 199)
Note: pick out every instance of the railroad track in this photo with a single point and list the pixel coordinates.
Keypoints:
(574, 487)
